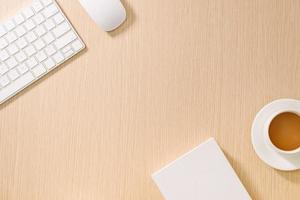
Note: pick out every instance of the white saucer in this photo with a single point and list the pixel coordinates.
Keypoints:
(264, 152)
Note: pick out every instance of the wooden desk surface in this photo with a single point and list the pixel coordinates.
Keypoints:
(176, 73)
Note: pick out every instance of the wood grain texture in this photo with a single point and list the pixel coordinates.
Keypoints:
(176, 73)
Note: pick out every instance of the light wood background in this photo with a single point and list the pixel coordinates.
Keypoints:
(176, 73)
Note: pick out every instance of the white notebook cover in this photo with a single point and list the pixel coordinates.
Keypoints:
(202, 174)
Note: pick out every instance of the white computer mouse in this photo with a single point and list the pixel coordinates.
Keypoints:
(108, 14)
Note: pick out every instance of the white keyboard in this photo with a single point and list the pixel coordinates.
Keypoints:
(32, 43)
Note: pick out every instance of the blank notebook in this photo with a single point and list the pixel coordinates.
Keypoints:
(202, 174)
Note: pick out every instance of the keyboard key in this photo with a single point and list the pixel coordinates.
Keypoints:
(4, 81)
(27, 12)
(19, 19)
(40, 31)
(12, 49)
(20, 31)
(11, 62)
(20, 56)
(37, 6)
(15, 86)
(9, 25)
(39, 18)
(22, 68)
(2, 31)
(3, 43)
(77, 45)
(46, 2)
(21, 43)
(31, 62)
(58, 18)
(3, 69)
(30, 50)
(49, 24)
(50, 50)
(13, 74)
(48, 38)
(49, 63)
(11, 37)
(39, 44)
(58, 57)
(50, 11)
(29, 25)
(3, 55)
(61, 29)
(64, 40)
(41, 56)
(66, 49)
(38, 71)
(69, 53)
(31, 37)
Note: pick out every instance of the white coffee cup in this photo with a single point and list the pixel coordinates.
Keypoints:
(267, 138)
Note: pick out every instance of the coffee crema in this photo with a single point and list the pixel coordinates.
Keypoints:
(284, 131)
